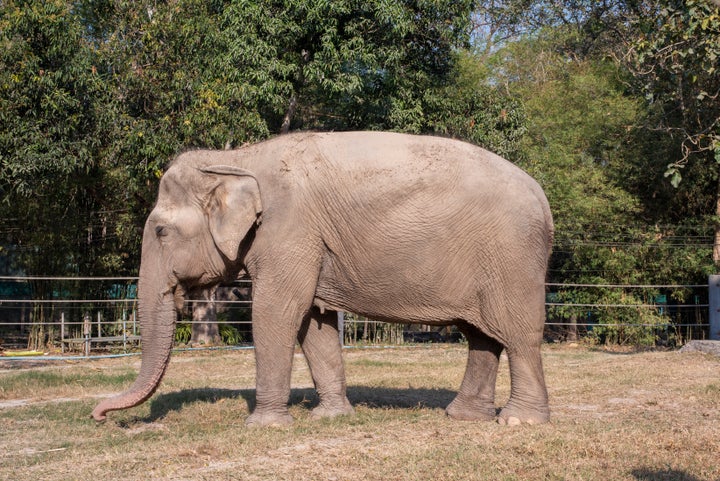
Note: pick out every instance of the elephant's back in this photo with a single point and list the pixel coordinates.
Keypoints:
(409, 156)
(426, 166)
(400, 182)
(369, 156)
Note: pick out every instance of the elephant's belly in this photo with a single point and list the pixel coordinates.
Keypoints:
(395, 312)
(397, 299)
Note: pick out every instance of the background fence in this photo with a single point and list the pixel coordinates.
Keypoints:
(99, 314)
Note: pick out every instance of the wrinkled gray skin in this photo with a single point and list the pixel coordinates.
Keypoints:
(395, 227)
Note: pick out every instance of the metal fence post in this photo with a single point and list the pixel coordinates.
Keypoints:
(87, 332)
(124, 330)
(62, 332)
(714, 306)
(341, 326)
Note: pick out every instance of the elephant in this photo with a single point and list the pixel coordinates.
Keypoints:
(395, 227)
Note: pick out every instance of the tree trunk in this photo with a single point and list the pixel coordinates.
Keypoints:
(285, 128)
(292, 107)
(205, 330)
(572, 329)
(716, 243)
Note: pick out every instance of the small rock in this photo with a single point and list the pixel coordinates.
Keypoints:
(708, 347)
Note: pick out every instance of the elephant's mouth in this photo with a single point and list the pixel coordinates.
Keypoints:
(181, 289)
(179, 296)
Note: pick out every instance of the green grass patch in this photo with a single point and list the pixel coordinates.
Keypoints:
(712, 389)
(372, 363)
(30, 382)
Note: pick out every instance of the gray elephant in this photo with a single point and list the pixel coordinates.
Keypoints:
(395, 227)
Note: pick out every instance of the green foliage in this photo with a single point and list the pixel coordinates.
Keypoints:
(471, 110)
(229, 335)
(50, 95)
(585, 144)
(615, 316)
(629, 326)
(677, 61)
(47, 96)
(673, 62)
(183, 332)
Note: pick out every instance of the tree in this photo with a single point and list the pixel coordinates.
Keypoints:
(585, 145)
(469, 108)
(675, 59)
(346, 65)
(668, 51)
(577, 131)
(50, 98)
(592, 28)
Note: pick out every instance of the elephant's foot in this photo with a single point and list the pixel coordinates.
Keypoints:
(471, 409)
(331, 410)
(514, 416)
(261, 419)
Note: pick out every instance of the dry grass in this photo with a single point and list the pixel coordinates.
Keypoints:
(616, 416)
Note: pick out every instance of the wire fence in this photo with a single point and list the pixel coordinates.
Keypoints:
(84, 314)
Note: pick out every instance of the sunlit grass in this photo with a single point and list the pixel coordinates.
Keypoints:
(616, 416)
(30, 383)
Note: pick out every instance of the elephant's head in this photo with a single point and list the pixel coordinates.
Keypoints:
(192, 238)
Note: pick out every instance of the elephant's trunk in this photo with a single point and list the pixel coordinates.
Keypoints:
(157, 315)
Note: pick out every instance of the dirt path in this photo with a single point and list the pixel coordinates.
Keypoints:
(18, 403)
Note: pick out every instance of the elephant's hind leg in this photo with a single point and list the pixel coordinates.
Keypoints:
(475, 400)
(528, 401)
(320, 342)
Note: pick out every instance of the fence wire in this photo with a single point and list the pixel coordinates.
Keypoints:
(59, 314)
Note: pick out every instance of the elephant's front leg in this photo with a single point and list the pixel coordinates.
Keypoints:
(275, 325)
(320, 342)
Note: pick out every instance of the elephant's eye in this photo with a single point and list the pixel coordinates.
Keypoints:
(161, 231)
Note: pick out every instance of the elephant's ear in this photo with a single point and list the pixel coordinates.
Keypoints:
(233, 207)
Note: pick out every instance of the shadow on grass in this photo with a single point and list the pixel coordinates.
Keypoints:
(646, 474)
(368, 396)
(163, 404)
